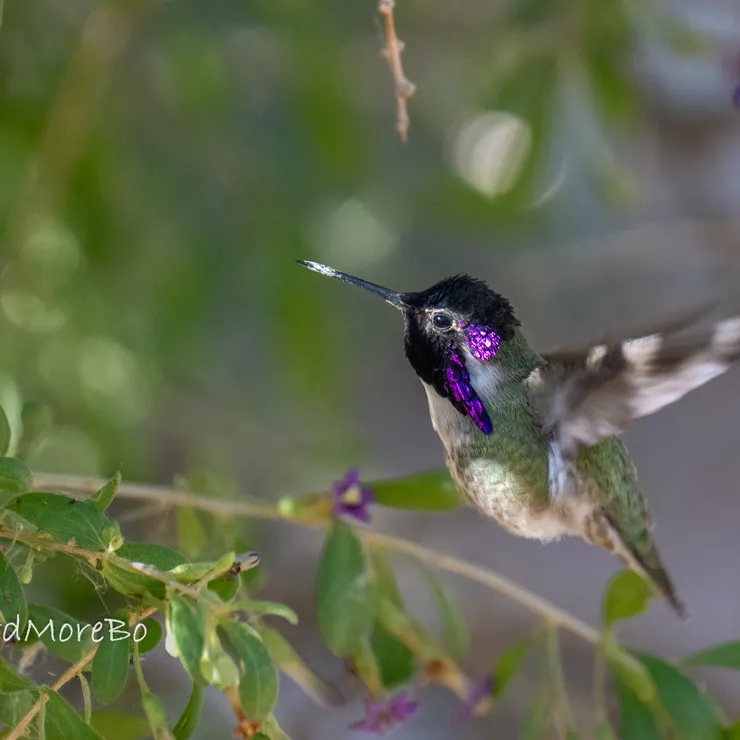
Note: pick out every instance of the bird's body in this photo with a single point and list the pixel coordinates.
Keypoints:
(532, 440)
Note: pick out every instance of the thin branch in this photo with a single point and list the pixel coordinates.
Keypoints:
(404, 88)
(221, 508)
(72, 672)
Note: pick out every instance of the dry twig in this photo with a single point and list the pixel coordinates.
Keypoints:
(404, 88)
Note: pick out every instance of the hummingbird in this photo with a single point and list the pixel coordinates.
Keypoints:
(533, 440)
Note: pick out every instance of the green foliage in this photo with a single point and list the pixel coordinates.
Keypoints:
(509, 663)
(15, 477)
(62, 721)
(429, 491)
(103, 498)
(114, 725)
(726, 655)
(87, 528)
(692, 713)
(628, 595)
(343, 594)
(188, 723)
(111, 664)
(396, 661)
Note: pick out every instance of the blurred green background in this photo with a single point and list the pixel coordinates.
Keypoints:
(163, 165)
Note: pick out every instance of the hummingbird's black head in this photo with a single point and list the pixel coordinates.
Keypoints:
(451, 328)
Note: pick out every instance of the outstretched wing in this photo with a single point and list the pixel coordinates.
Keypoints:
(584, 397)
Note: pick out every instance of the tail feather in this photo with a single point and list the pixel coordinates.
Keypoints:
(643, 558)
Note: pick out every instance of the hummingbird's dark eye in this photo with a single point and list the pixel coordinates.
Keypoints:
(442, 321)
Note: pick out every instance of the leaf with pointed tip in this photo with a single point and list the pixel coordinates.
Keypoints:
(191, 537)
(254, 607)
(454, 627)
(431, 490)
(368, 669)
(724, 655)
(509, 663)
(62, 722)
(628, 595)
(12, 600)
(216, 666)
(114, 725)
(188, 635)
(637, 720)
(258, 688)
(68, 520)
(291, 664)
(103, 498)
(186, 726)
(397, 663)
(343, 594)
(15, 478)
(111, 664)
(693, 714)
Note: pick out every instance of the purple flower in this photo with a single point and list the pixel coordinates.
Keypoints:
(351, 499)
(479, 693)
(381, 717)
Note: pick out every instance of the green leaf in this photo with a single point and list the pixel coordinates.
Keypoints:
(273, 729)
(454, 627)
(633, 673)
(255, 607)
(186, 726)
(135, 583)
(188, 636)
(215, 665)
(509, 663)
(5, 433)
(103, 498)
(191, 537)
(627, 596)
(397, 663)
(68, 520)
(428, 491)
(724, 655)
(154, 710)
(11, 680)
(203, 571)
(119, 726)
(12, 600)
(152, 637)
(386, 586)
(62, 722)
(692, 713)
(64, 636)
(292, 665)
(343, 593)
(732, 732)
(637, 721)
(14, 706)
(110, 665)
(368, 669)
(15, 478)
(226, 587)
(258, 688)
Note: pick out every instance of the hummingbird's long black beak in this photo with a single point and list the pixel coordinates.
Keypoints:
(390, 296)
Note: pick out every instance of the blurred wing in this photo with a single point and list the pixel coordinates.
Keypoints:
(584, 397)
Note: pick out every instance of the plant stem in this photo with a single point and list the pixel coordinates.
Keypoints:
(221, 508)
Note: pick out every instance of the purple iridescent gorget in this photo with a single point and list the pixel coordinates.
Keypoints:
(484, 344)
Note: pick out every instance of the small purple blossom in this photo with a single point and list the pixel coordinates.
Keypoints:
(382, 716)
(479, 692)
(351, 498)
